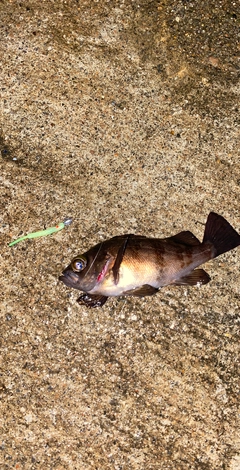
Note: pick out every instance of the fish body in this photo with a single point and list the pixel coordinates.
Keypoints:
(136, 265)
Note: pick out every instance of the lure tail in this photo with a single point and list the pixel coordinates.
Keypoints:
(221, 234)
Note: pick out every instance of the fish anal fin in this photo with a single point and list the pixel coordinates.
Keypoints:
(92, 301)
(185, 238)
(197, 276)
(141, 291)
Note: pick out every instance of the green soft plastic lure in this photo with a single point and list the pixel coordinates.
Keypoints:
(44, 233)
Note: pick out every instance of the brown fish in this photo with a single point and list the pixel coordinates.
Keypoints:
(137, 265)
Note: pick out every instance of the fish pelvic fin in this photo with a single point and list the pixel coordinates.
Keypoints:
(221, 234)
(92, 301)
(196, 277)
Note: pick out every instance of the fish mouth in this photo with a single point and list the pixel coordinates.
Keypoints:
(69, 278)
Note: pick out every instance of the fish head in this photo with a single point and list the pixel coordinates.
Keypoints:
(87, 270)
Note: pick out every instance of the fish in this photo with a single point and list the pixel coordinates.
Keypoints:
(135, 265)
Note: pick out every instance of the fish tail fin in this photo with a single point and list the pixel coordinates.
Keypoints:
(221, 234)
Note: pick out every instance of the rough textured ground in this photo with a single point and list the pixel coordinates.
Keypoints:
(123, 115)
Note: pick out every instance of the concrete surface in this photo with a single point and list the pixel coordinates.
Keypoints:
(123, 115)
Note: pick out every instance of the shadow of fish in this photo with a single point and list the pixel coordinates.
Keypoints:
(137, 265)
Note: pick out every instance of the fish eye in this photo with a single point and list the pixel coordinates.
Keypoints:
(78, 264)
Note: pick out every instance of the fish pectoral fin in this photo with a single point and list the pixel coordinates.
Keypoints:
(121, 252)
(119, 259)
(92, 301)
(198, 276)
(141, 291)
(185, 238)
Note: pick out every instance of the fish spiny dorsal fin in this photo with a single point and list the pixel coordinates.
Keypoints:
(185, 238)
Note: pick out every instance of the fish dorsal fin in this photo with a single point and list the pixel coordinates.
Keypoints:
(197, 276)
(185, 238)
